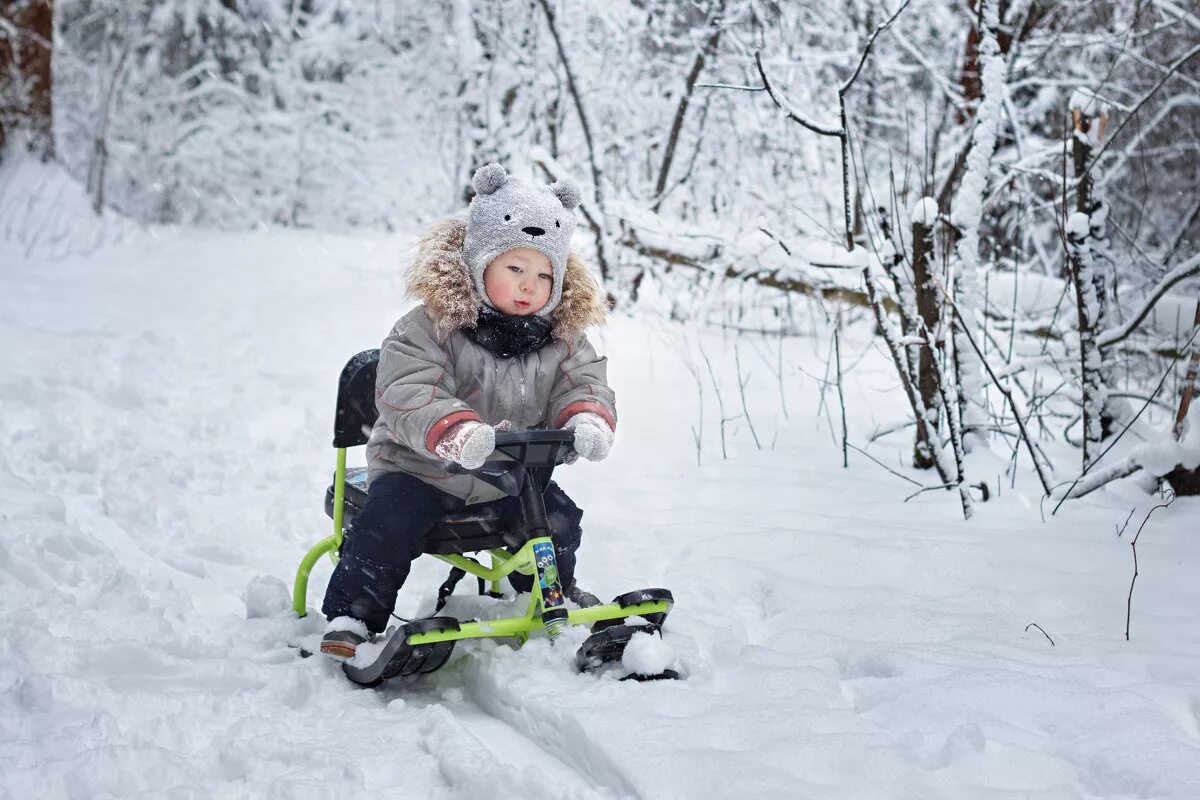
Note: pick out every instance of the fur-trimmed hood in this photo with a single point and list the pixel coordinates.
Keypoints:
(439, 278)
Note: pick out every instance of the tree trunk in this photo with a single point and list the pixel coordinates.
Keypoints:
(595, 220)
(970, 78)
(967, 218)
(927, 309)
(26, 49)
(713, 20)
(1084, 231)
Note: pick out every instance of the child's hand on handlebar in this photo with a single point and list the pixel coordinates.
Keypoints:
(469, 443)
(593, 437)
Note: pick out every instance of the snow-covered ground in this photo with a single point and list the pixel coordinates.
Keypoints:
(166, 409)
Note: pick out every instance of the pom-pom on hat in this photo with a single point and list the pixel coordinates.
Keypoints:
(507, 213)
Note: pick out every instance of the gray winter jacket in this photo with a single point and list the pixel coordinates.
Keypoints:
(432, 376)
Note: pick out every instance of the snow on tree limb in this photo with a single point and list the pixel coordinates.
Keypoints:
(1185, 270)
(967, 215)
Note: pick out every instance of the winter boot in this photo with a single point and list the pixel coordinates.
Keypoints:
(581, 597)
(342, 637)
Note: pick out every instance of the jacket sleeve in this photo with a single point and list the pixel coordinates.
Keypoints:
(582, 385)
(415, 386)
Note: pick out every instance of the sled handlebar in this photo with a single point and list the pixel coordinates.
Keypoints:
(506, 439)
(523, 449)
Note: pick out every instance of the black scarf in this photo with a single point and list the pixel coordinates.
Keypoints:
(507, 336)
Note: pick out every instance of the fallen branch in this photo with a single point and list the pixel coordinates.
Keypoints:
(770, 278)
(1086, 483)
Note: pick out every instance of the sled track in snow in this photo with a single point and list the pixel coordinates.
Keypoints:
(476, 753)
(558, 733)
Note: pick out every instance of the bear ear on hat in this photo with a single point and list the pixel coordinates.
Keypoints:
(567, 193)
(489, 178)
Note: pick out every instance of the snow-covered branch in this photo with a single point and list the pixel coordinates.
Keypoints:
(1185, 270)
(789, 110)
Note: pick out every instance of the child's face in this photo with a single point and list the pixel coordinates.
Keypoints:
(519, 281)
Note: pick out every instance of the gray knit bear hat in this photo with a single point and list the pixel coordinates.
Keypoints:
(507, 213)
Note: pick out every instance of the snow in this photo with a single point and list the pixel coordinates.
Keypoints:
(1160, 457)
(1078, 225)
(344, 624)
(44, 209)
(924, 211)
(1087, 101)
(647, 654)
(167, 404)
(266, 596)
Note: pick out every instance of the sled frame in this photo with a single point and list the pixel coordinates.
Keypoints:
(503, 563)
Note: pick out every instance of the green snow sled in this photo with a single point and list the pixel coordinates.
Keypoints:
(521, 466)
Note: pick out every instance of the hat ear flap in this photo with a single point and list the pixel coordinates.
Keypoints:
(567, 193)
(489, 178)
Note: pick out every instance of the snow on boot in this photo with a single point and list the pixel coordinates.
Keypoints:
(342, 637)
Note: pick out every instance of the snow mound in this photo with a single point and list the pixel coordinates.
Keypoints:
(44, 211)
(1160, 457)
(266, 596)
(647, 654)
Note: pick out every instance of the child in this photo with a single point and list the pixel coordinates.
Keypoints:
(498, 341)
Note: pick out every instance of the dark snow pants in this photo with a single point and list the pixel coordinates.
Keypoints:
(389, 534)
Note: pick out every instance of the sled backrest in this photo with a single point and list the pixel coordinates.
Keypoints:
(356, 411)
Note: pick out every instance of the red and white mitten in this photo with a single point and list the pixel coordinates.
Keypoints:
(593, 437)
(468, 443)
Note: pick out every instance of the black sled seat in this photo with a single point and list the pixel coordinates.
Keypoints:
(466, 531)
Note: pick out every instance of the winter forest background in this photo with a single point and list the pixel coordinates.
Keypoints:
(958, 239)
(1034, 160)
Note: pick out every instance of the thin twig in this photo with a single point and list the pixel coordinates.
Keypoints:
(1039, 627)
(837, 353)
(737, 360)
(731, 86)
(924, 489)
(1188, 56)
(698, 429)
(885, 466)
(720, 402)
(1121, 530)
(1133, 545)
(882, 432)
(883, 26)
